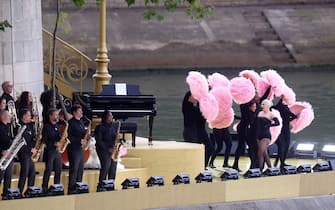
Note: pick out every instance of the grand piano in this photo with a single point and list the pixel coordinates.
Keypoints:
(123, 100)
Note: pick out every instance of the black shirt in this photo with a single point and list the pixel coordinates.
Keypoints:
(50, 135)
(285, 113)
(7, 97)
(76, 133)
(5, 137)
(105, 134)
(29, 136)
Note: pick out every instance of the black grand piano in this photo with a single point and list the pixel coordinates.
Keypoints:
(124, 102)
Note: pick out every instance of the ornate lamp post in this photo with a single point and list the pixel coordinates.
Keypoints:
(101, 75)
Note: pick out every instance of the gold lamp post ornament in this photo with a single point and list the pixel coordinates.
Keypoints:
(101, 75)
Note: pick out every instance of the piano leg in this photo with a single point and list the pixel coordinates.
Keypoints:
(151, 122)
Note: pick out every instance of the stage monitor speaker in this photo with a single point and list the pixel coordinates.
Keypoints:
(229, 174)
(131, 182)
(205, 176)
(181, 179)
(12, 193)
(289, 169)
(56, 189)
(82, 187)
(155, 180)
(253, 173)
(323, 166)
(33, 191)
(108, 185)
(274, 171)
(304, 168)
(332, 164)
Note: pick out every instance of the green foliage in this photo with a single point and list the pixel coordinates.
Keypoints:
(4, 24)
(193, 8)
(78, 3)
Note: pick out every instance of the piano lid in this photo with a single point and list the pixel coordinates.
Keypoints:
(111, 89)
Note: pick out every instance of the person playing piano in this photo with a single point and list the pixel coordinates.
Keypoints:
(105, 134)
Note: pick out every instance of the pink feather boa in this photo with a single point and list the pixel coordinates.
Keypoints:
(305, 114)
(242, 90)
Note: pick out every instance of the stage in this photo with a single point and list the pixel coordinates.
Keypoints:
(168, 158)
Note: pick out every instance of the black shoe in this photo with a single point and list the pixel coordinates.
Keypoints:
(211, 165)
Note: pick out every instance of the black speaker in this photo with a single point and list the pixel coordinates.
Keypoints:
(56, 189)
(274, 171)
(205, 176)
(131, 182)
(323, 166)
(332, 164)
(12, 193)
(229, 174)
(155, 180)
(253, 173)
(82, 187)
(289, 170)
(33, 191)
(304, 168)
(181, 178)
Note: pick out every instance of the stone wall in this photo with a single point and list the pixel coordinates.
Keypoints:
(21, 59)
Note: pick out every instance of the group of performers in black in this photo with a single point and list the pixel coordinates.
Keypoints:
(52, 136)
(253, 129)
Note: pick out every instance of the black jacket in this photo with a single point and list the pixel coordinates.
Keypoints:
(50, 135)
(105, 134)
(5, 137)
(29, 136)
(76, 133)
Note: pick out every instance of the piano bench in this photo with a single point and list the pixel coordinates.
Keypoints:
(129, 127)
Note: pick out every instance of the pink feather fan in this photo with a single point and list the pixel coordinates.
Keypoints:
(275, 80)
(209, 106)
(218, 80)
(223, 120)
(223, 97)
(305, 114)
(289, 96)
(198, 84)
(261, 84)
(242, 90)
(250, 74)
(275, 130)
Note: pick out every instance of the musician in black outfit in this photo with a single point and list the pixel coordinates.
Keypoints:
(7, 88)
(105, 134)
(5, 143)
(194, 125)
(220, 136)
(284, 139)
(76, 136)
(51, 136)
(25, 153)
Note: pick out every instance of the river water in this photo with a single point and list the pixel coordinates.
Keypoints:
(313, 84)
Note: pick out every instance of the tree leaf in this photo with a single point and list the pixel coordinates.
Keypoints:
(79, 3)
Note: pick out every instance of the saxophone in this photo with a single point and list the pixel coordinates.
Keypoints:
(87, 135)
(64, 140)
(118, 144)
(38, 133)
(14, 148)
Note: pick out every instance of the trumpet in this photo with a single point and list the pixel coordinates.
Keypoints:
(87, 135)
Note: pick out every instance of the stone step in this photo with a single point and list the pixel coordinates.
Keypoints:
(267, 36)
(271, 43)
(282, 57)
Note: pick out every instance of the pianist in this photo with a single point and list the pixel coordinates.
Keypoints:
(194, 125)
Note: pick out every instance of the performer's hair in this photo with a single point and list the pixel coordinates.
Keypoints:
(4, 84)
(51, 111)
(23, 112)
(75, 107)
(104, 115)
(268, 102)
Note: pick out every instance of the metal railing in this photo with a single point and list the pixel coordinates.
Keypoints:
(72, 66)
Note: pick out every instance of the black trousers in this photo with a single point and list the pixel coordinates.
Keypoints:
(7, 176)
(108, 166)
(27, 170)
(53, 162)
(242, 138)
(252, 147)
(283, 142)
(76, 170)
(220, 136)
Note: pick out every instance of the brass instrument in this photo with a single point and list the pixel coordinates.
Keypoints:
(118, 144)
(64, 140)
(38, 132)
(87, 135)
(13, 115)
(14, 148)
